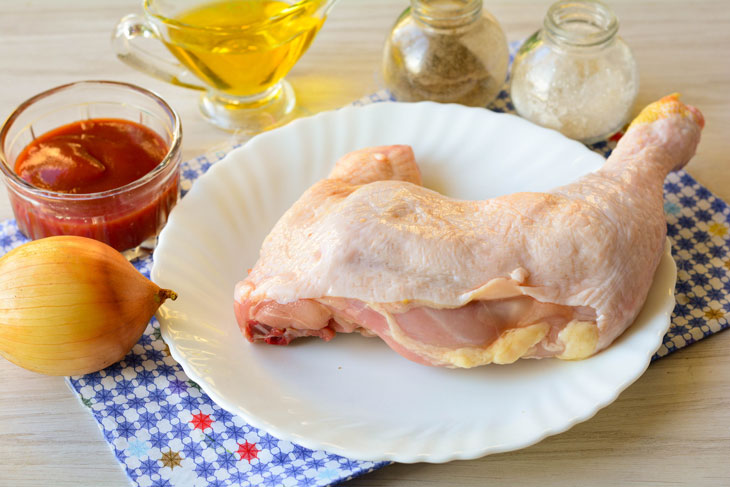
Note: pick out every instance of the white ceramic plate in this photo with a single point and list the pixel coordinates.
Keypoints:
(354, 396)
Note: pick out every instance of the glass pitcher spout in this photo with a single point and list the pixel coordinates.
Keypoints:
(328, 6)
(318, 9)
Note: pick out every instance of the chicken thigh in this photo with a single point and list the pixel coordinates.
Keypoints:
(464, 283)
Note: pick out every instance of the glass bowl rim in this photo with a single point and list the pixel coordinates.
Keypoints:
(19, 183)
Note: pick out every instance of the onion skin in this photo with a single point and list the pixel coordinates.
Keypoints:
(72, 305)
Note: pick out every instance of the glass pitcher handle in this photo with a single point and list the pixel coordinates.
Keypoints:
(126, 42)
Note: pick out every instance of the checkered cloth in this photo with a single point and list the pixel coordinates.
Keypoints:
(166, 432)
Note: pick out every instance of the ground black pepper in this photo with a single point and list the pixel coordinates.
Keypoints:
(449, 51)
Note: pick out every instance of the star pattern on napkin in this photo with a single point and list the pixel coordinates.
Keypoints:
(248, 451)
(171, 459)
(201, 421)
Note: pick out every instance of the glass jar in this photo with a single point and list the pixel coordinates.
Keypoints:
(128, 217)
(576, 75)
(450, 51)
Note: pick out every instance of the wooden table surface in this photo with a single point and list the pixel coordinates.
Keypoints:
(672, 427)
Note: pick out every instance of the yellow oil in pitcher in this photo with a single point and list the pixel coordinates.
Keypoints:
(244, 47)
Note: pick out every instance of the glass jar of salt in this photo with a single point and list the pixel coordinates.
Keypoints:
(576, 75)
(450, 51)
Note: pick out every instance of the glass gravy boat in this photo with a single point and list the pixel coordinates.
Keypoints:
(236, 51)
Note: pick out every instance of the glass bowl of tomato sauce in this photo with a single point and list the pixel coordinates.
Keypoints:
(98, 159)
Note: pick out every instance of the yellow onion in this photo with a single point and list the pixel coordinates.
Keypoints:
(72, 305)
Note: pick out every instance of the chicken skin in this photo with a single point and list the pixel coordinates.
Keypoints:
(458, 283)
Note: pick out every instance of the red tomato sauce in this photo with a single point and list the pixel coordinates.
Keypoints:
(92, 156)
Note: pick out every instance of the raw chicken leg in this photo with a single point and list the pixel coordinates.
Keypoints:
(465, 283)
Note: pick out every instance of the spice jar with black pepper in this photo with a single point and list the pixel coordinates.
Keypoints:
(576, 75)
(450, 51)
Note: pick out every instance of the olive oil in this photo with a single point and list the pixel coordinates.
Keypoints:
(243, 47)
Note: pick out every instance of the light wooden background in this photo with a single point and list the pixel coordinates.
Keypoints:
(672, 427)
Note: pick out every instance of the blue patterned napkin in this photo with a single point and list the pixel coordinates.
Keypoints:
(166, 432)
